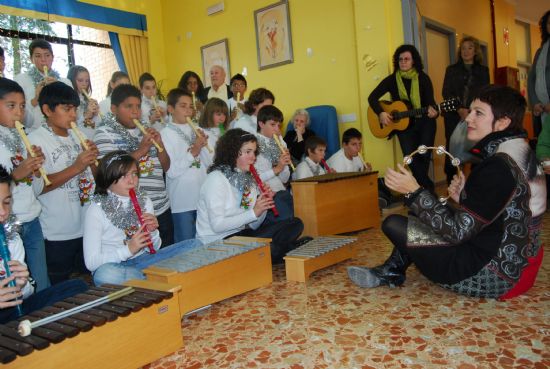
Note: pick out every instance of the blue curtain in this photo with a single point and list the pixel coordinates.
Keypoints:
(115, 44)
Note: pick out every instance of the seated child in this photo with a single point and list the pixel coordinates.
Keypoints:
(311, 165)
(119, 132)
(65, 200)
(153, 110)
(214, 122)
(23, 167)
(230, 202)
(116, 246)
(21, 293)
(347, 158)
(271, 163)
(187, 171)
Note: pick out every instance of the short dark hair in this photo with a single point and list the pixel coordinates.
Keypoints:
(505, 102)
(114, 78)
(57, 93)
(238, 77)
(174, 95)
(213, 105)
(122, 92)
(5, 176)
(417, 60)
(73, 73)
(146, 77)
(40, 43)
(228, 147)
(257, 97)
(269, 112)
(351, 133)
(112, 167)
(314, 142)
(8, 86)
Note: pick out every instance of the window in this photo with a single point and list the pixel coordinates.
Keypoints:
(72, 45)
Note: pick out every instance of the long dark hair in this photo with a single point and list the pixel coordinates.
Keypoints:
(417, 60)
(544, 28)
(228, 148)
(183, 84)
(112, 167)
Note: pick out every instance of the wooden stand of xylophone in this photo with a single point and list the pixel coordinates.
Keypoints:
(336, 203)
(299, 268)
(132, 339)
(221, 280)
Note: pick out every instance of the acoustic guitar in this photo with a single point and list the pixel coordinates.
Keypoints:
(400, 113)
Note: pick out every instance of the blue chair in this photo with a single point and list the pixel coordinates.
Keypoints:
(324, 122)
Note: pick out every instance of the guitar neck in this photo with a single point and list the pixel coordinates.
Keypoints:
(410, 113)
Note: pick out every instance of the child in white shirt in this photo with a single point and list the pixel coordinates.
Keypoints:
(347, 158)
(117, 78)
(65, 200)
(313, 163)
(116, 246)
(187, 171)
(257, 99)
(88, 110)
(214, 123)
(230, 202)
(238, 87)
(153, 110)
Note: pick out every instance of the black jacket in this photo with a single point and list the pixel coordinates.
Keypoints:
(456, 80)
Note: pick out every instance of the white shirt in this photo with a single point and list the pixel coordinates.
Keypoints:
(339, 162)
(62, 214)
(183, 179)
(247, 122)
(219, 213)
(25, 204)
(220, 94)
(304, 169)
(265, 169)
(213, 136)
(232, 102)
(17, 252)
(33, 114)
(107, 140)
(87, 131)
(147, 107)
(105, 105)
(104, 243)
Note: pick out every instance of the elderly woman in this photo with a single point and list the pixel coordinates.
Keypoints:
(296, 139)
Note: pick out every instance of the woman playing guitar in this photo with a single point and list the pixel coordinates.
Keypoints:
(408, 82)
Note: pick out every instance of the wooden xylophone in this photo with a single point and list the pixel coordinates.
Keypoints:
(316, 254)
(126, 333)
(216, 271)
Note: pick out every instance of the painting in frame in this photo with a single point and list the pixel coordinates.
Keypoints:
(215, 53)
(273, 36)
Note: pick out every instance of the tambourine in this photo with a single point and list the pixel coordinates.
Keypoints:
(439, 150)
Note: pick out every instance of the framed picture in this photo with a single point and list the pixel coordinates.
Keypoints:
(216, 53)
(273, 37)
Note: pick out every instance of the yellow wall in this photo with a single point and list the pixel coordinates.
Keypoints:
(330, 76)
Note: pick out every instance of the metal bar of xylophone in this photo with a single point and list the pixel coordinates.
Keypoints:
(126, 333)
(216, 271)
(316, 254)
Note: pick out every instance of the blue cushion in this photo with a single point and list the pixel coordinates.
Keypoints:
(324, 122)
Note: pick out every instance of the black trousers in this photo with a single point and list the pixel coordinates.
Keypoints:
(283, 235)
(64, 258)
(421, 131)
(166, 228)
(451, 121)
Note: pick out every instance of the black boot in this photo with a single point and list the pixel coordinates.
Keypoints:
(391, 273)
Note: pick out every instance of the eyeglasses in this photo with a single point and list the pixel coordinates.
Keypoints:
(238, 84)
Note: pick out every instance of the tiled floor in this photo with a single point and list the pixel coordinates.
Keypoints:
(330, 323)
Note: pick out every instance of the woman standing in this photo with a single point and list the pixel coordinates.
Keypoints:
(462, 80)
(408, 82)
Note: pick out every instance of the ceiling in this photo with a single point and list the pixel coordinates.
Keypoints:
(531, 10)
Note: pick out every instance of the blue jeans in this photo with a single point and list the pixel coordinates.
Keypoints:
(46, 297)
(118, 273)
(184, 225)
(35, 253)
(285, 206)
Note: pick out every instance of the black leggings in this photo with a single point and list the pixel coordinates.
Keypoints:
(282, 234)
(395, 228)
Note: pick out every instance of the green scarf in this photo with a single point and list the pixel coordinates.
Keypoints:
(411, 74)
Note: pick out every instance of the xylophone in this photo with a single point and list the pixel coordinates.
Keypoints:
(316, 254)
(216, 271)
(126, 333)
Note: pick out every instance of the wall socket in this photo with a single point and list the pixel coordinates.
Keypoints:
(347, 118)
